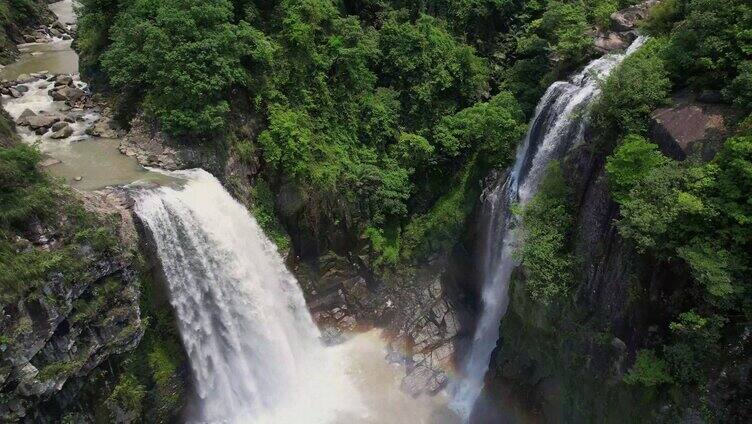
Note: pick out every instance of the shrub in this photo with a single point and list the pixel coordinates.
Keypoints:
(630, 163)
(632, 92)
(545, 251)
(648, 370)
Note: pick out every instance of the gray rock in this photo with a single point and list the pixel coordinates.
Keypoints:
(55, 32)
(63, 80)
(24, 78)
(42, 121)
(57, 126)
(71, 94)
(627, 19)
(64, 132)
(21, 88)
(66, 37)
(57, 96)
(29, 38)
(23, 119)
(14, 93)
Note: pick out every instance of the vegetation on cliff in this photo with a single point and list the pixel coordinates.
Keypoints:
(688, 223)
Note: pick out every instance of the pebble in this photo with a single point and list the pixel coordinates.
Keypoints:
(78, 178)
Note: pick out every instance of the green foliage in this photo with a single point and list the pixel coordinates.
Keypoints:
(600, 11)
(184, 55)
(710, 44)
(262, 206)
(491, 128)
(545, 251)
(127, 396)
(632, 91)
(697, 215)
(630, 163)
(648, 370)
(433, 72)
(662, 17)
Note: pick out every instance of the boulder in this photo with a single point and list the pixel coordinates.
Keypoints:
(14, 93)
(49, 162)
(56, 96)
(690, 127)
(23, 119)
(627, 19)
(614, 41)
(64, 132)
(42, 121)
(71, 94)
(63, 80)
(55, 32)
(24, 78)
(29, 38)
(57, 25)
(66, 37)
(21, 88)
(57, 126)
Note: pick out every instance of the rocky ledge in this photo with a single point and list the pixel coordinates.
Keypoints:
(54, 336)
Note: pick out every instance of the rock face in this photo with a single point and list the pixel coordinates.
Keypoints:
(690, 127)
(627, 19)
(67, 328)
(623, 30)
(421, 317)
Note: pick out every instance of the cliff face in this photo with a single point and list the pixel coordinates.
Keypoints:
(566, 361)
(58, 331)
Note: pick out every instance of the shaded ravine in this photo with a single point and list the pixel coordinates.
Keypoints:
(255, 352)
(559, 123)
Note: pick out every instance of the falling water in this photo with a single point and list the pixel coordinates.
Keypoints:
(253, 347)
(254, 350)
(559, 123)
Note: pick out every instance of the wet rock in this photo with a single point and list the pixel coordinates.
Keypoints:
(24, 78)
(21, 88)
(64, 132)
(57, 25)
(63, 80)
(102, 128)
(55, 32)
(49, 162)
(14, 93)
(57, 126)
(627, 19)
(23, 119)
(78, 178)
(614, 41)
(42, 121)
(56, 96)
(29, 38)
(66, 37)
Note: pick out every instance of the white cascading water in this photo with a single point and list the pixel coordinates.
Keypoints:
(254, 350)
(559, 123)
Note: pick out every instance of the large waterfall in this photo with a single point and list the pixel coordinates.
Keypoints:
(559, 123)
(254, 350)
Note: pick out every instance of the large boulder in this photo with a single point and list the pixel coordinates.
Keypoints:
(64, 132)
(691, 127)
(627, 19)
(23, 119)
(42, 121)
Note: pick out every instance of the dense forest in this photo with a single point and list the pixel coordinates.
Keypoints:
(385, 116)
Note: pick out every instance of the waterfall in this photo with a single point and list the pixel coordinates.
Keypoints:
(254, 350)
(559, 123)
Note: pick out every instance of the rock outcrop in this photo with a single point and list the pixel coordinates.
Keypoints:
(62, 330)
(691, 126)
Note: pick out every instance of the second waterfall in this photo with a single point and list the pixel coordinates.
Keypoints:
(559, 123)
